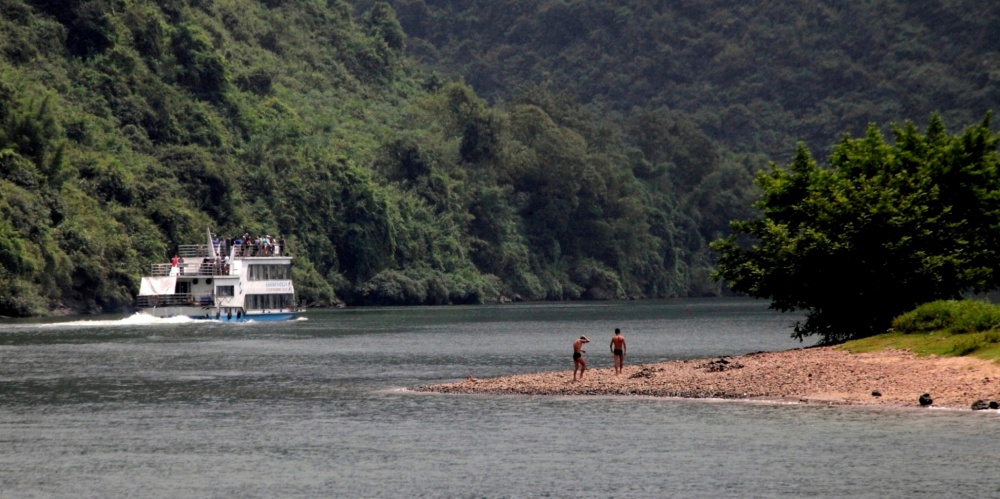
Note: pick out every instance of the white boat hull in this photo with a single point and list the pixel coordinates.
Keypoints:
(222, 315)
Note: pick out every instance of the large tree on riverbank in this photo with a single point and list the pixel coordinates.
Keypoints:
(884, 228)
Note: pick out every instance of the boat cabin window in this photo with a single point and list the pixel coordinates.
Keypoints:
(268, 302)
(224, 291)
(260, 272)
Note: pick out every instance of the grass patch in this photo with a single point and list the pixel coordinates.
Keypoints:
(954, 316)
(980, 345)
(944, 328)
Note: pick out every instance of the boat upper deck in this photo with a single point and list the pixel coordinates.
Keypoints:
(240, 250)
(197, 260)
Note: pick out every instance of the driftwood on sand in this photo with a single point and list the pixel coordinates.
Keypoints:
(826, 375)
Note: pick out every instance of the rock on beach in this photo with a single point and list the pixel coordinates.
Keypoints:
(820, 375)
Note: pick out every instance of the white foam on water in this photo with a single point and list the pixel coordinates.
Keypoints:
(137, 319)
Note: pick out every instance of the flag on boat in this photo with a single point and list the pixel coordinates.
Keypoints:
(211, 245)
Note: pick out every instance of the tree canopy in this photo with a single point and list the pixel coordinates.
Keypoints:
(884, 228)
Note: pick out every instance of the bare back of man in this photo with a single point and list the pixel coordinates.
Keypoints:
(578, 351)
(618, 350)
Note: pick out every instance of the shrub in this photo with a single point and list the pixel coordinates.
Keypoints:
(954, 316)
(598, 281)
(19, 298)
(391, 287)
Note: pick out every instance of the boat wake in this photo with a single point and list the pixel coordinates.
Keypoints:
(137, 319)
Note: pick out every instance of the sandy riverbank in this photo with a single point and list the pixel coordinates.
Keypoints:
(823, 375)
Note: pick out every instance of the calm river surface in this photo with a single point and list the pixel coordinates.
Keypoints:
(126, 407)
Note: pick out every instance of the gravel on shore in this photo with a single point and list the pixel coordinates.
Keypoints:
(824, 375)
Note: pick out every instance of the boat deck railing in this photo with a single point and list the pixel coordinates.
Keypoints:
(160, 270)
(238, 250)
(174, 300)
(191, 269)
(254, 250)
(195, 259)
(192, 251)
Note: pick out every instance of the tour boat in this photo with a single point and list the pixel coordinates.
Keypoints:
(222, 280)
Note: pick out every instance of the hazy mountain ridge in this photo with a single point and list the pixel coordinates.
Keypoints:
(754, 76)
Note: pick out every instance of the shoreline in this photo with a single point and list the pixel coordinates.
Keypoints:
(824, 375)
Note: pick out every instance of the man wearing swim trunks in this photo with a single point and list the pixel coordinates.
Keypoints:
(578, 351)
(618, 350)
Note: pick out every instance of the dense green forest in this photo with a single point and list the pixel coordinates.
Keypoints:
(754, 76)
(436, 152)
(128, 126)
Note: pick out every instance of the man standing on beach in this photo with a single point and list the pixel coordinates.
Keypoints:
(578, 351)
(618, 350)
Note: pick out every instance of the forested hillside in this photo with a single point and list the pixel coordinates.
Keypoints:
(754, 76)
(128, 126)
(430, 152)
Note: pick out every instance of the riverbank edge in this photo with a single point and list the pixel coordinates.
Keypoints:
(826, 375)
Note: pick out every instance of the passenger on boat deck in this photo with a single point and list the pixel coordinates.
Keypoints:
(173, 261)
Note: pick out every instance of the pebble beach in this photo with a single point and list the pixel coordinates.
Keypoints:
(814, 375)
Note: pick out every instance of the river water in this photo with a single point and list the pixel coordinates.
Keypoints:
(138, 407)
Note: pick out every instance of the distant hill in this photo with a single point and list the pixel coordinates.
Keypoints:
(754, 76)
